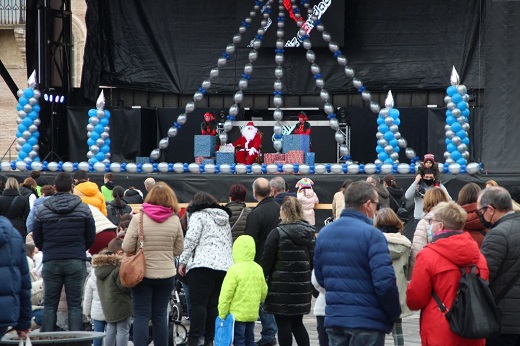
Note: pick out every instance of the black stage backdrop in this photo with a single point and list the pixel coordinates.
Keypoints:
(136, 132)
(502, 106)
(170, 46)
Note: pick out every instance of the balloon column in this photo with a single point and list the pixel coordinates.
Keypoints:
(28, 122)
(278, 85)
(389, 140)
(98, 132)
(206, 84)
(457, 125)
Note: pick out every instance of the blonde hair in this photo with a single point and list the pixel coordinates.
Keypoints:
(452, 215)
(291, 210)
(12, 183)
(491, 182)
(386, 217)
(162, 194)
(30, 182)
(432, 197)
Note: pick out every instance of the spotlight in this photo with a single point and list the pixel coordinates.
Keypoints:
(344, 116)
(53, 96)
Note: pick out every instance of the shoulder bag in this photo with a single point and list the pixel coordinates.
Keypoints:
(133, 266)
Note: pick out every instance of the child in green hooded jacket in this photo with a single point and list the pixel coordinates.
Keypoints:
(243, 289)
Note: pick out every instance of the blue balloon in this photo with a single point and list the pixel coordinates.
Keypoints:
(448, 113)
(451, 90)
(22, 155)
(397, 121)
(462, 134)
(379, 149)
(32, 140)
(465, 140)
(107, 114)
(393, 142)
(36, 134)
(22, 128)
(99, 128)
(107, 141)
(29, 92)
(389, 135)
(466, 112)
(394, 113)
(19, 107)
(389, 161)
(456, 98)
(33, 115)
(100, 156)
(18, 134)
(455, 155)
(397, 149)
(92, 160)
(380, 120)
(450, 147)
(104, 122)
(382, 156)
(23, 101)
(462, 106)
(456, 127)
(92, 112)
(27, 121)
(26, 147)
(383, 128)
(462, 161)
(91, 142)
(105, 149)
(36, 108)
(94, 135)
(450, 120)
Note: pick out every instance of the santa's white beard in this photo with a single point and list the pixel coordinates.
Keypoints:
(249, 134)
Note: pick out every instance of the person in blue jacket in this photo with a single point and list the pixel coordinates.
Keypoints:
(15, 285)
(353, 264)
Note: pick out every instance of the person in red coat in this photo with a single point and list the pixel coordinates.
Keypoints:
(467, 199)
(303, 127)
(208, 126)
(248, 145)
(436, 270)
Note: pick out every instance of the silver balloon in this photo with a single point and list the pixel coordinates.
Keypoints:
(37, 122)
(277, 145)
(389, 149)
(394, 156)
(280, 43)
(21, 141)
(461, 89)
(105, 135)
(462, 147)
(333, 46)
(237, 38)
(94, 120)
(278, 85)
(307, 44)
(190, 107)
(230, 48)
(447, 127)
(456, 112)
(320, 27)
(213, 73)
(410, 153)
(248, 68)
(311, 56)
(36, 147)
(450, 134)
(278, 58)
(389, 121)
(223, 137)
(181, 119)
(462, 120)
(239, 96)
(447, 154)
(277, 101)
(394, 128)
(383, 112)
(26, 134)
(90, 154)
(451, 106)
(164, 142)
(465, 98)
(349, 71)
(27, 108)
(22, 114)
(357, 83)
(302, 31)
(94, 149)
(221, 61)
(365, 95)
(198, 96)
(90, 127)
(342, 60)
(374, 107)
(172, 132)
(456, 140)
(33, 101)
(344, 150)
(397, 135)
(277, 128)
(242, 83)
(100, 142)
(100, 113)
(154, 155)
(32, 128)
(19, 120)
(328, 108)
(234, 109)
(324, 94)
(339, 137)
(37, 94)
(242, 29)
(106, 129)
(253, 55)
(257, 43)
(465, 155)
(465, 127)
(326, 36)
(107, 158)
(315, 69)
(333, 123)
(382, 142)
(378, 162)
(447, 99)
(278, 114)
(228, 125)
(379, 135)
(27, 160)
(278, 72)
(320, 83)
(18, 147)
(19, 93)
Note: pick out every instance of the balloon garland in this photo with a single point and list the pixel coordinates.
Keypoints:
(28, 121)
(98, 133)
(457, 125)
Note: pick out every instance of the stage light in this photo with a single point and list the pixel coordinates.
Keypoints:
(222, 116)
(344, 116)
(53, 96)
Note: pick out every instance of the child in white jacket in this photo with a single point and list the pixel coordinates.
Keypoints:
(92, 307)
(307, 198)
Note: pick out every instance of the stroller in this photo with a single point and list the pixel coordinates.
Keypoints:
(176, 330)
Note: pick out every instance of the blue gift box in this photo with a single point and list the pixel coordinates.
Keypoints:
(142, 159)
(223, 158)
(206, 161)
(296, 142)
(204, 145)
(310, 158)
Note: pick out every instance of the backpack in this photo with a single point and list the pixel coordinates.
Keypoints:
(474, 314)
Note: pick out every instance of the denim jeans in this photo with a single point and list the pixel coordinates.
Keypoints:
(150, 299)
(269, 328)
(355, 337)
(56, 274)
(118, 333)
(99, 326)
(244, 334)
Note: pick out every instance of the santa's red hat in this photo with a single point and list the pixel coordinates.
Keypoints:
(250, 124)
(302, 115)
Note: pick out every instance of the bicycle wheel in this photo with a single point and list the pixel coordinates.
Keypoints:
(177, 333)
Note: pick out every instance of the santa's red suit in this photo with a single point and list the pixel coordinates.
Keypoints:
(248, 145)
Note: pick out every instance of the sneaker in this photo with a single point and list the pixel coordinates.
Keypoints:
(263, 343)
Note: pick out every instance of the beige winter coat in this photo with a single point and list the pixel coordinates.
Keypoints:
(162, 242)
(420, 239)
(338, 204)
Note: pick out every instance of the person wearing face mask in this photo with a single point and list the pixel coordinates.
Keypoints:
(501, 248)
(352, 263)
(418, 188)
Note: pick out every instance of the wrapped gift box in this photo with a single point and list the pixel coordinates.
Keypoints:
(296, 142)
(223, 158)
(199, 159)
(310, 159)
(208, 160)
(204, 145)
(294, 156)
(274, 158)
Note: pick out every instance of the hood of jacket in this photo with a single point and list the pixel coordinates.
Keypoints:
(472, 221)
(11, 192)
(122, 205)
(244, 249)
(101, 221)
(133, 192)
(105, 264)
(109, 185)
(398, 244)
(87, 188)
(300, 233)
(396, 192)
(158, 213)
(218, 213)
(62, 202)
(458, 248)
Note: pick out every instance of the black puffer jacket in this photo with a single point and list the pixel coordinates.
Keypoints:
(261, 221)
(396, 197)
(115, 212)
(15, 210)
(238, 218)
(287, 263)
(64, 228)
(133, 197)
(501, 247)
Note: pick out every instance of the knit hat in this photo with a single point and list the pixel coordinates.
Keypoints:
(429, 157)
(304, 183)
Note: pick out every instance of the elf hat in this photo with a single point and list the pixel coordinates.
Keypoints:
(304, 183)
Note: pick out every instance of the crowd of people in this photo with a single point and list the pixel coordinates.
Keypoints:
(263, 263)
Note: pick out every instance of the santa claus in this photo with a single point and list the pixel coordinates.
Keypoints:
(248, 145)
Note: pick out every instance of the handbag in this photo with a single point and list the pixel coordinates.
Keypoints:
(133, 266)
(224, 330)
(401, 212)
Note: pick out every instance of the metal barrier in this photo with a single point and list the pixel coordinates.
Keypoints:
(12, 12)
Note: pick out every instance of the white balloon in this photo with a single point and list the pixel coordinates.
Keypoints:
(83, 166)
(52, 166)
(304, 169)
(336, 168)
(370, 168)
(99, 167)
(131, 168)
(386, 168)
(21, 166)
(353, 168)
(6, 166)
(272, 168)
(209, 168)
(36, 166)
(162, 167)
(472, 168)
(225, 168)
(403, 168)
(178, 167)
(454, 168)
(147, 168)
(68, 166)
(115, 167)
(256, 168)
(241, 168)
(193, 167)
(320, 169)
(288, 168)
